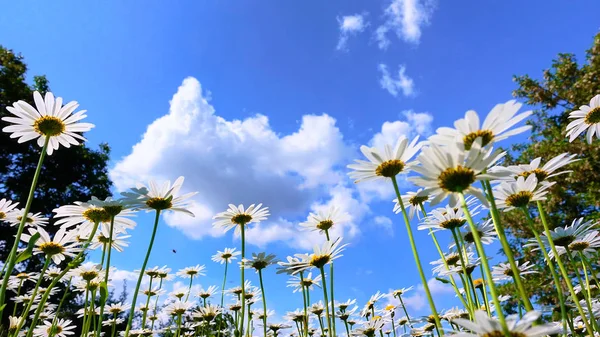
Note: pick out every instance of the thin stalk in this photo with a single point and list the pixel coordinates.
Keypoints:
(563, 270)
(34, 292)
(156, 303)
(18, 293)
(324, 283)
(243, 301)
(465, 276)
(505, 246)
(443, 257)
(85, 305)
(139, 281)
(106, 272)
(62, 300)
(331, 290)
(178, 325)
(555, 277)
(347, 330)
(262, 290)
(321, 324)
(585, 293)
(304, 300)
(12, 256)
(393, 326)
(222, 296)
(145, 313)
(189, 288)
(417, 260)
(405, 311)
(486, 267)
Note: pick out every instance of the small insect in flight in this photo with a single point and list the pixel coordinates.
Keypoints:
(174, 251)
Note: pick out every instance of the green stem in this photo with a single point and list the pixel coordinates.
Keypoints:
(12, 256)
(562, 269)
(486, 267)
(405, 311)
(262, 290)
(222, 297)
(139, 281)
(178, 325)
(347, 330)
(304, 300)
(243, 302)
(34, 292)
(580, 281)
(145, 313)
(62, 300)
(471, 308)
(18, 293)
(443, 257)
(324, 283)
(106, 273)
(189, 288)
(555, 277)
(331, 290)
(506, 247)
(156, 303)
(417, 260)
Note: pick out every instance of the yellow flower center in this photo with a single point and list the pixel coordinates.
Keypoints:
(452, 223)
(27, 219)
(541, 175)
(22, 276)
(486, 137)
(96, 215)
(159, 203)
(226, 256)
(478, 282)
(417, 200)
(579, 245)
(519, 199)
(325, 225)
(49, 126)
(241, 219)
(319, 260)
(593, 116)
(88, 275)
(452, 259)
(469, 236)
(2, 215)
(456, 179)
(54, 330)
(51, 248)
(390, 168)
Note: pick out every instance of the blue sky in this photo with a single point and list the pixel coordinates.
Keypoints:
(270, 106)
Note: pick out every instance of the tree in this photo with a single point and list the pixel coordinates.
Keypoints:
(68, 175)
(564, 87)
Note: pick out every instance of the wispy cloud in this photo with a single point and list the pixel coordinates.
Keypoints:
(396, 85)
(405, 18)
(350, 25)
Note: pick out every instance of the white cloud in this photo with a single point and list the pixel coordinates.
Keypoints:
(241, 161)
(405, 18)
(350, 25)
(403, 83)
(385, 223)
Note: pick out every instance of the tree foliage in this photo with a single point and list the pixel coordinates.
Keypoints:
(68, 175)
(562, 88)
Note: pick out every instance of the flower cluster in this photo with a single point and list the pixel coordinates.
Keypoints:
(461, 189)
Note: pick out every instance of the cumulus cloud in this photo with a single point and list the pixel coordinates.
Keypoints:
(350, 25)
(240, 161)
(245, 161)
(405, 18)
(384, 223)
(402, 84)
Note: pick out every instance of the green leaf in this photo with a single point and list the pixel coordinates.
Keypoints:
(103, 293)
(28, 252)
(443, 280)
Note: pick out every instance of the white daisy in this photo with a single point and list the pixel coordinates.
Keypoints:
(307, 281)
(237, 216)
(324, 220)
(259, 261)
(444, 218)
(369, 328)
(103, 237)
(59, 328)
(160, 198)
(57, 248)
(519, 193)
(586, 118)
(6, 206)
(387, 163)
(51, 119)
(495, 126)
(226, 255)
(486, 326)
(449, 170)
(322, 255)
(564, 236)
(413, 202)
(84, 215)
(15, 217)
(548, 170)
(192, 271)
(208, 292)
(503, 271)
(486, 230)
